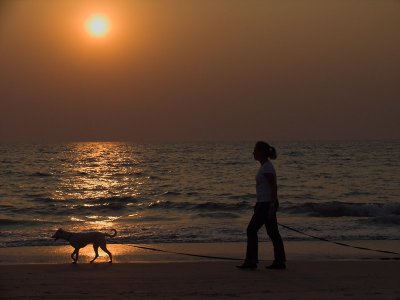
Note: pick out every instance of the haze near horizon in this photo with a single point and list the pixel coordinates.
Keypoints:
(199, 70)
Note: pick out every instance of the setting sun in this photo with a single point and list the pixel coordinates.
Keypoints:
(98, 25)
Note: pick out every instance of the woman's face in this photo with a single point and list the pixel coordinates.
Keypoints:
(257, 154)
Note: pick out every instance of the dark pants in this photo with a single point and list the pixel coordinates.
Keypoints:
(260, 217)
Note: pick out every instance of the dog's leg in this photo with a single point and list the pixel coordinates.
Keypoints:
(96, 252)
(77, 255)
(74, 256)
(76, 252)
(104, 248)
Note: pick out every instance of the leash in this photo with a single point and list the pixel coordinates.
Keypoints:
(337, 243)
(186, 254)
(284, 226)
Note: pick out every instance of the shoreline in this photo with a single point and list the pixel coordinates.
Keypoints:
(129, 253)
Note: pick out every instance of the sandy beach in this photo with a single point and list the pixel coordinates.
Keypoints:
(315, 271)
(202, 280)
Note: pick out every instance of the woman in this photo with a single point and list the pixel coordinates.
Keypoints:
(265, 210)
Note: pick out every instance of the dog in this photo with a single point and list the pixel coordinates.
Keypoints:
(81, 239)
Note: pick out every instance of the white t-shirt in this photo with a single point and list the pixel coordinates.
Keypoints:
(263, 188)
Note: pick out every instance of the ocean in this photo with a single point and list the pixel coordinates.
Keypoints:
(196, 192)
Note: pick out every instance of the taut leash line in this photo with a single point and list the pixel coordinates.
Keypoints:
(186, 254)
(337, 243)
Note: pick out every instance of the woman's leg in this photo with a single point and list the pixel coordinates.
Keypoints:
(273, 232)
(255, 224)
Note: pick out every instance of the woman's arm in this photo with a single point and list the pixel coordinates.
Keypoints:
(274, 190)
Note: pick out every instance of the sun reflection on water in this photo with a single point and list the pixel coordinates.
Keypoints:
(98, 170)
(95, 177)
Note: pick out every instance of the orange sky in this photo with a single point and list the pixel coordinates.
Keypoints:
(200, 70)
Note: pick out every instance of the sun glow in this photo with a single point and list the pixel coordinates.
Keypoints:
(98, 25)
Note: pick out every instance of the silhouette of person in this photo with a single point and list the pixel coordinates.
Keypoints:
(265, 210)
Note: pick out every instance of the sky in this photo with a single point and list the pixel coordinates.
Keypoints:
(205, 70)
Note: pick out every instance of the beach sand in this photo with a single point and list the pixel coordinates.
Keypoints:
(202, 280)
(45, 273)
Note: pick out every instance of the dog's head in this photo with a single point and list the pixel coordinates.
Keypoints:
(59, 234)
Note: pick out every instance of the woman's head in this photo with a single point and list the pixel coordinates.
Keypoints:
(263, 150)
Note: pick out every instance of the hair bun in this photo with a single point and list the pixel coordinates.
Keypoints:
(268, 150)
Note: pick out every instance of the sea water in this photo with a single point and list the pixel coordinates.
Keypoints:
(196, 192)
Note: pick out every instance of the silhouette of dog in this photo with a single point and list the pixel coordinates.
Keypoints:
(81, 239)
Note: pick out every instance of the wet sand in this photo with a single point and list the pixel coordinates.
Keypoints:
(313, 272)
(128, 253)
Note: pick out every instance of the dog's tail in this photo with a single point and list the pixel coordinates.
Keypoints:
(111, 235)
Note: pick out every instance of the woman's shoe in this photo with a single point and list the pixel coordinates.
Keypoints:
(277, 266)
(247, 265)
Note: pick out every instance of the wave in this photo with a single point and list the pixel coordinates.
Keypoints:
(105, 205)
(114, 199)
(205, 206)
(243, 196)
(171, 193)
(343, 209)
(294, 154)
(156, 218)
(233, 163)
(128, 174)
(218, 215)
(192, 193)
(223, 206)
(384, 220)
(355, 193)
(49, 206)
(302, 196)
(41, 198)
(99, 200)
(27, 242)
(170, 205)
(41, 174)
(6, 207)
(94, 207)
(12, 222)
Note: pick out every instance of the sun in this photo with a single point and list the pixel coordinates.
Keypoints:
(97, 25)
